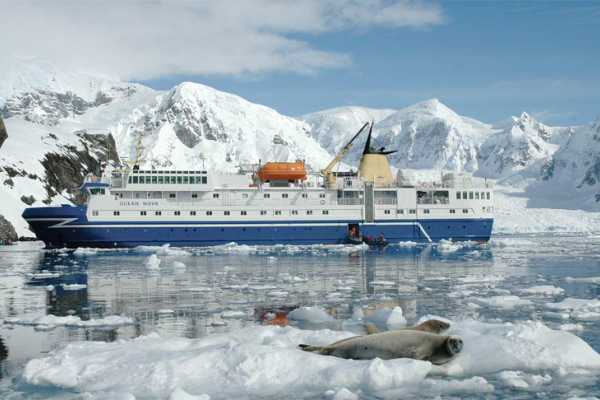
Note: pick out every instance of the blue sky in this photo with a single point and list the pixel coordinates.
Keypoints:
(486, 60)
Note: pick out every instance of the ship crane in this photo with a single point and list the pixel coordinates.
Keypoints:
(327, 172)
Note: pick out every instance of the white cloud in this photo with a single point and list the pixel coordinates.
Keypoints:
(146, 39)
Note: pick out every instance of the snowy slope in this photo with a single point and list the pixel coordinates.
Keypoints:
(194, 125)
(521, 147)
(571, 179)
(333, 128)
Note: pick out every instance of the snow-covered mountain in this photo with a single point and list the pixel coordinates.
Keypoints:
(426, 135)
(571, 178)
(195, 125)
(520, 148)
(334, 127)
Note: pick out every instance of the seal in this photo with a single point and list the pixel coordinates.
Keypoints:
(405, 343)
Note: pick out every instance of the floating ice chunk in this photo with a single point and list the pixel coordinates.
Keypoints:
(343, 394)
(178, 265)
(544, 290)
(591, 279)
(581, 309)
(571, 327)
(180, 394)
(522, 380)
(277, 293)
(310, 314)
(233, 314)
(529, 346)
(504, 302)
(386, 318)
(407, 244)
(85, 251)
(382, 283)
(73, 286)
(52, 321)
(153, 262)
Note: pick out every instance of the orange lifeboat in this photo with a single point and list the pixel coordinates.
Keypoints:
(282, 171)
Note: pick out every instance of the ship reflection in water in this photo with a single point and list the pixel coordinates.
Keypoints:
(195, 292)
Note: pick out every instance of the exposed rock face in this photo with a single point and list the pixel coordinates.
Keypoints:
(7, 232)
(65, 171)
(3, 134)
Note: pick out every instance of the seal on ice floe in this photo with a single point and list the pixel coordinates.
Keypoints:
(404, 343)
(431, 325)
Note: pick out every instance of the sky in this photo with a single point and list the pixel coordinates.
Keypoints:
(484, 59)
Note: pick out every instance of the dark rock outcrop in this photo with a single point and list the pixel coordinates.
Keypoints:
(3, 134)
(67, 170)
(8, 234)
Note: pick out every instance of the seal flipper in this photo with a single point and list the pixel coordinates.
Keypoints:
(325, 350)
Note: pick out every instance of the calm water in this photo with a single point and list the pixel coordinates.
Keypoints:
(189, 300)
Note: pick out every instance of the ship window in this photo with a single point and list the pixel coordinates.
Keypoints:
(284, 195)
(322, 195)
(476, 195)
(172, 195)
(95, 213)
(97, 191)
(452, 211)
(305, 195)
(263, 212)
(464, 196)
(194, 195)
(116, 213)
(465, 211)
(488, 195)
(267, 195)
(135, 179)
(142, 179)
(294, 212)
(159, 213)
(277, 212)
(186, 180)
(325, 212)
(129, 180)
(245, 195)
(143, 213)
(308, 212)
(426, 211)
(204, 180)
(386, 211)
(470, 195)
(193, 213)
(399, 211)
(412, 211)
(215, 195)
(161, 179)
(177, 212)
(243, 213)
(154, 179)
(209, 213)
(457, 195)
(179, 180)
(226, 213)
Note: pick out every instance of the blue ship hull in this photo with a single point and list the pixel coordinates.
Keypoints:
(68, 226)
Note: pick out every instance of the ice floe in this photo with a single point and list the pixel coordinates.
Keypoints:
(265, 362)
(505, 302)
(579, 309)
(543, 290)
(153, 262)
(591, 279)
(314, 315)
(73, 286)
(51, 321)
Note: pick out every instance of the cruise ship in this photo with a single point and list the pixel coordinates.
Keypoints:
(273, 203)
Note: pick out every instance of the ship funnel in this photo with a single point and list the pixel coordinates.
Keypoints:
(374, 166)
